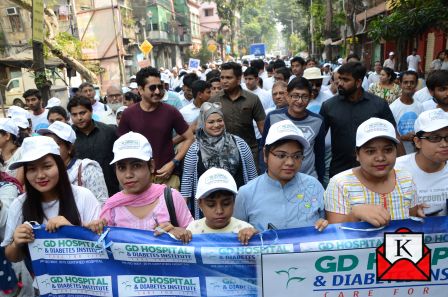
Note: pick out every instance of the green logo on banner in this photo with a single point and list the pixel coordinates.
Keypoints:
(290, 278)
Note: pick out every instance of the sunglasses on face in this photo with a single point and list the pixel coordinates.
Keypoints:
(152, 88)
(207, 105)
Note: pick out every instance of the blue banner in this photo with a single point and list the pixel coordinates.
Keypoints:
(72, 262)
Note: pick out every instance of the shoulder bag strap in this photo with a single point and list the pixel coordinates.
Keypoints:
(170, 206)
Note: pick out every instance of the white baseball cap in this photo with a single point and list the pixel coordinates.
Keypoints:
(312, 73)
(34, 148)
(62, 130)
(286, 130)
(374, 128)
(213, 180)
(132, 145)
(391, 53)
(21, 121)
(53, 102)
(133, 85)
(10, 126)
(340, 61)
(431, 120)
(14, 111)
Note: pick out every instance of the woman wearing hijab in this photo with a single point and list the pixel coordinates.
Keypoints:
(214, 147)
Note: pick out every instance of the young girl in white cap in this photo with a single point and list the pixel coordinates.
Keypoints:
(216, 198)
(141, 204)
(373, 192)
(81, 172)
(50, 198)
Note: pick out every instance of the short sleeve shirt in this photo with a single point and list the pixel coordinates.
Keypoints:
(157, 126)
(239, 114)
(345, 190)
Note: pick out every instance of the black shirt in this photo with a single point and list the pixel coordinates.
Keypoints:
(97, 145)
(344, 117)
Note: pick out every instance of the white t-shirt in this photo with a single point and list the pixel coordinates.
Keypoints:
(88, 208)
(431, 187)
(405, 116)
(103, 113)
(373, 78)
(200, 227)
(422, 95)
(389, 63)
(39, 121)
(264, 96)
(268, 83)
(429, 105)
(190, 112)
(413, 62)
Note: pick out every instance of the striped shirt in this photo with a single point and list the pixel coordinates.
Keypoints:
(190, 173)
(345, 190)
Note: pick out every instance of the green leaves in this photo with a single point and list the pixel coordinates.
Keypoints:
(409, 18)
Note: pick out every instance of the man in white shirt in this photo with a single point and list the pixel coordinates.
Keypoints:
(406, 110)
(414, 61)
(437, 84)
(428, 165)
(201, 93)
(297, 67)
(33, 100)
(100, 110)
(252, 84)
(375, 76)
(187, 96)
(390, 62)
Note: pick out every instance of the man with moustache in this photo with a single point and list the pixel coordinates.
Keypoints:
(156, 120)
(94, 140)
(344, 112)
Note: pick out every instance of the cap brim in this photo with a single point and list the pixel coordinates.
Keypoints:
(302, 140)
(206, 193)
(379, 136)
(119, 157)
(22, 161)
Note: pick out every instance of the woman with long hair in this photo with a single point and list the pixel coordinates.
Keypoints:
(214, 147)
(386, 87)
(81, 172)
(50, 198)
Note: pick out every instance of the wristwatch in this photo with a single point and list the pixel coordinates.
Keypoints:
(176, 162)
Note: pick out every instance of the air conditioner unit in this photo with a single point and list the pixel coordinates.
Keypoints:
(12, 11)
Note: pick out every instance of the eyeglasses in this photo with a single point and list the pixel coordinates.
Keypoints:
(283, 156)
(296, 97)
(434, 138)
(152, 88)
(114, 96)
(207, 105)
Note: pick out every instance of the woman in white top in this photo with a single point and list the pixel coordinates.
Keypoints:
(50, 198)
(10, 141)
(85, 173)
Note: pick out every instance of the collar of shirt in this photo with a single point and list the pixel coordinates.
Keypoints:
(77, 130)
(275, 183)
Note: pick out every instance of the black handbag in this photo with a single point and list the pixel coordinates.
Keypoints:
(170, 206)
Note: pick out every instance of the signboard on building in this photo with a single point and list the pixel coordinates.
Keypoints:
(38, 20)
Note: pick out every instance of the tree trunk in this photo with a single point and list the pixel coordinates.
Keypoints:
(52, 27)
(328, 22)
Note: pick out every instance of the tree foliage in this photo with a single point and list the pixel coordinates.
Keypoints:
(257, 25)
(53, 37)
(409, 18)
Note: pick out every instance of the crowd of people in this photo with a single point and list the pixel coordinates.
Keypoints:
(228, 148)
